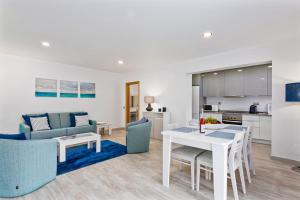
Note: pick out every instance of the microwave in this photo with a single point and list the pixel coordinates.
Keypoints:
(207, 107)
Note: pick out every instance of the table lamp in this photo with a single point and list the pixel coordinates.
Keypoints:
(149, 100)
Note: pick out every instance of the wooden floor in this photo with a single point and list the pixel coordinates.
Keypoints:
(139, 176)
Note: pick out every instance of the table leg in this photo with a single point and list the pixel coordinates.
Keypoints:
(220, 171)
(98, 144)
(62, 153)
(89, 145)
(166, 159)
(109, 130)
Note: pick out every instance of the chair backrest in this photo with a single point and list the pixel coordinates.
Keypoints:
(236, 149)
(247, 139)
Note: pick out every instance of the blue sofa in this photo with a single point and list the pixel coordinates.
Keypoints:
(61, 126)
(138, 137)
(26, 165)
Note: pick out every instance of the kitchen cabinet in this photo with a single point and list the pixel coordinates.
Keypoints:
(261, 127)
(234, 82)
(253, 122)
(213, 84)
(266, 127)
(213, 115)
(255, 81)
(196, 102)
(269, 74)
(160, 122)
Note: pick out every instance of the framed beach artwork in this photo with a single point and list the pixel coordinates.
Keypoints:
(45, 87)
(87, 90)
(69, 89)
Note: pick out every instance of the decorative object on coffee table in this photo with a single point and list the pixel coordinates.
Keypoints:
(103, 125)
(149, 100)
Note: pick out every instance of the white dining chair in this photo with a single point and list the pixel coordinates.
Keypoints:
(187, 155)
(205, 162)
(248, 154)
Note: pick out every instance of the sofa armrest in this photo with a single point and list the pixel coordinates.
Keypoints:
(24, 128)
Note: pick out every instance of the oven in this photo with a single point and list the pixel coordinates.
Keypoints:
(232, 118)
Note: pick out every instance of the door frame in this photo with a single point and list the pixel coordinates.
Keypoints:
(127, 100)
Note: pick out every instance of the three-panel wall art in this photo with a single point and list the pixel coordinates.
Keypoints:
(65, 89)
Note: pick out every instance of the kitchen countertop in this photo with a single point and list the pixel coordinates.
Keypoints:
(240, 112)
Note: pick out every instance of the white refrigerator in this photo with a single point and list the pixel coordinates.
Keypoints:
(197, 102)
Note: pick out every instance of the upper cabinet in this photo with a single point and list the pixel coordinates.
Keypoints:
(270, 81)
(255, 81)
(213, 84)
(250, 81)
(234, 83)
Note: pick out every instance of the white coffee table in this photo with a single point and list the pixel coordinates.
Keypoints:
(84, 138)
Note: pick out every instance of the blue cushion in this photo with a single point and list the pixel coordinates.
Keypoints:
(19, 136)
(72, 117)
(65, 121)
(54, 120)
(28, 122)
(141, 121)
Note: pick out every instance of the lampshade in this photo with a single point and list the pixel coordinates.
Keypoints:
(149, 99)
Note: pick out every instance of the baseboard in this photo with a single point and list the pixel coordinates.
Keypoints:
(289, 161)
(118, 129)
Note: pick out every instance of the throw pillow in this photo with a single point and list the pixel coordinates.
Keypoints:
(141, 121)
(39, 123)
(82, 120)
(28, 122)
(19, 136)
(72, 117)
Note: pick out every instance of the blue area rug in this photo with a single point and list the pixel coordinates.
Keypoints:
(80, 156)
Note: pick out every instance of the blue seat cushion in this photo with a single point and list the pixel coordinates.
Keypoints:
(72, 117)
(48, 134)
(141, 121)
(28, 122)
(18, 136)
(80, 129)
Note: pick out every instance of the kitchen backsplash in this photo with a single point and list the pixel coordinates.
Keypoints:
(241, 104)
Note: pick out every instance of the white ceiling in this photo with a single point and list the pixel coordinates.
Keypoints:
(143, 33)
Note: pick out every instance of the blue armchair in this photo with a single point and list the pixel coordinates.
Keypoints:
(26, 165)
(138, 137)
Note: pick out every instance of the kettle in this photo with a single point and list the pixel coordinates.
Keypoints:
(253, 109)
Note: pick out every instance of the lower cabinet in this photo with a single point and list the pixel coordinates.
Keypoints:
(160, 122)
(261, 127)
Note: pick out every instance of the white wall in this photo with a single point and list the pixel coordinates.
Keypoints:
(17, 87)
(241, 104)
(170, 85)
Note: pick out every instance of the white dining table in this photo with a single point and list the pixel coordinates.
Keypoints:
(218, 146)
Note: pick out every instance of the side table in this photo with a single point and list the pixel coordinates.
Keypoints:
(104, 125)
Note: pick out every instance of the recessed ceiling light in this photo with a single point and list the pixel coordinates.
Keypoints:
(120, 62)
(239, 70)
(215, 73)
(207, 34)
(45, 44)
(270, 66)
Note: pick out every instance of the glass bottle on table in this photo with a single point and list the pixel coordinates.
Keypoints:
(202, 122)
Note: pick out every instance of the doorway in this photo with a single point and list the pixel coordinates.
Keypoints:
(132, 106)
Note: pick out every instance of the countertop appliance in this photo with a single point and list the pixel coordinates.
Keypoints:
(235, 118)
(209, 107)
(269, 108)
(253, 109)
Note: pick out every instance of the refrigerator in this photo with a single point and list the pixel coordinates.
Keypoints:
(197, 101)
